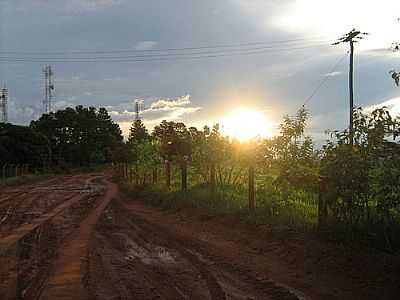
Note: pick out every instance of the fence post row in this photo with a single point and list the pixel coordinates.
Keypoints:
(322, 203)
(12, 170)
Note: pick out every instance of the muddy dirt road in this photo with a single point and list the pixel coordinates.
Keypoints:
(77, 237)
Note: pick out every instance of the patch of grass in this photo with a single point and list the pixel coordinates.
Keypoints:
(229, 201)
(25, 179)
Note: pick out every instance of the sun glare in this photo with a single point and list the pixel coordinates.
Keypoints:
(246, 124)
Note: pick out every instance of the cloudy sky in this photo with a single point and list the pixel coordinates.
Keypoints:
(195, 61)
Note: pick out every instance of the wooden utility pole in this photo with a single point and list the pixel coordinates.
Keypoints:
(352, 37)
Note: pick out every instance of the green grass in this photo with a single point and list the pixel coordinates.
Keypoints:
(230, 202)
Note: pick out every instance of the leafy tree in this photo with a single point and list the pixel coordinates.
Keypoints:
(175, 142)
(363, 178)
(80, 136)
(291, 154)
(138, 132)
(22, 145)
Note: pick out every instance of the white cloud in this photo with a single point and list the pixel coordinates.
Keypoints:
(326, 21)
(333, 74)
(393, 105)
(146, 45)
(331, 19)
(168, 103)
(156, 111)
(21, 114)
(64, 104)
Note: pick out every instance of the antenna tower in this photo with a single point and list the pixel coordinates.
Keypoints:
(48, 88)
(138, 109)
(4, 105)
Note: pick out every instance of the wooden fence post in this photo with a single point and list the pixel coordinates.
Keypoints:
(213, 188)
(168, 173)
(137, 174)
(4, 171)
(184, 175)
(252, 202)
(155, 175)
(322, 204)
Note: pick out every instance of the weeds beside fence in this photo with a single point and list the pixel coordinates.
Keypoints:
(301, 210)
(13, 170)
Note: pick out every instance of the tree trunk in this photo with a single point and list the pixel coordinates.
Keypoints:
(322, 205)
(168, 174)
(184, 175)
(155, 175)
(252, 202)
(212, 181)
(137, 174)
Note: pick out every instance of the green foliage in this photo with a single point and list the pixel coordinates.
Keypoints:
(175, 140)
(80, 136)
(138, 132)
(22, 145)
(292, 155)
(361, 178)
(358, 181)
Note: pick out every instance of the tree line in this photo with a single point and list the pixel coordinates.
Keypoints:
(351, 184)
(73, 137)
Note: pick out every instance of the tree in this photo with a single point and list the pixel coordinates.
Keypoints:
(292, 155)
(175, 145)
(138, 132)
(363, 179)
(22, 145)
(80, 136)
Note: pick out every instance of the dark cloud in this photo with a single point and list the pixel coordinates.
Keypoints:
(282, 79)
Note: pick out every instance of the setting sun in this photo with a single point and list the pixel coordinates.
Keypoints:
(246, 124)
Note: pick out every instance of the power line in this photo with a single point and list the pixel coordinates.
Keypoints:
(333, 69)
(237, 45)
(158, 55)
(152, 59)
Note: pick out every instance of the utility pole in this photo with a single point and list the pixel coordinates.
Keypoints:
(48, 88)
(4, 105)
(352, 37)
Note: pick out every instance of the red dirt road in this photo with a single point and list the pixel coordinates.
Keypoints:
(67, 276)
(87, 241)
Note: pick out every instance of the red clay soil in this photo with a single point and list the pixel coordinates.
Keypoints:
(66, 281)
(112, 247)
(140, 252)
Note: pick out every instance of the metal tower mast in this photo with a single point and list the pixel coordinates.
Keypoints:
(48, 88)
(4, 105)
(138, 108)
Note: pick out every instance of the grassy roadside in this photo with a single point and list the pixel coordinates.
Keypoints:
(286, 219)
(36, 177)
(226, 204)
(25, 179)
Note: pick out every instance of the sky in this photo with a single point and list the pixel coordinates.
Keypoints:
(198, 61)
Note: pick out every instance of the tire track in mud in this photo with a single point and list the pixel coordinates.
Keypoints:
(68, 275)
(28, 250)
(139, 238)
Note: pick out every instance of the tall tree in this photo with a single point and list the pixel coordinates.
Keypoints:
(138, 132)
(80, 136)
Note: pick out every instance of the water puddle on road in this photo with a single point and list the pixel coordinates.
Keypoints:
(149, 254)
